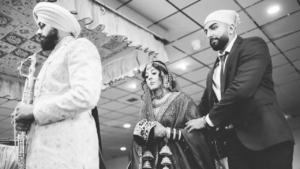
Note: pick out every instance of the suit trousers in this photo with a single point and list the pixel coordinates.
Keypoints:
(279, 156)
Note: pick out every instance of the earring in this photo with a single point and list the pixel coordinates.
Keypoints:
(166, 82)
(167, 85)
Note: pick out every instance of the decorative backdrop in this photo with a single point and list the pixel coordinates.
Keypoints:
(118, 41)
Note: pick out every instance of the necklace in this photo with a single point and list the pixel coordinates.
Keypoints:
(162, 101)
(160, 96)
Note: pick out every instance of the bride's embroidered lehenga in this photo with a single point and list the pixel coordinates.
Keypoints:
(186, 150)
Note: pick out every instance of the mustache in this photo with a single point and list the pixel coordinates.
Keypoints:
(41, 37)
(211, 40)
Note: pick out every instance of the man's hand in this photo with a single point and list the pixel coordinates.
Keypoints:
(194, 124)
(23, 112)
(159, 130)
(23, 125)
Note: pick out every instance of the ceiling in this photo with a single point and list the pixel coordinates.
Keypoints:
(179, 23)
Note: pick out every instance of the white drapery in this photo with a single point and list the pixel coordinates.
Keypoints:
(11, 89)
(8, 157)
(111, 24)
(125, 66)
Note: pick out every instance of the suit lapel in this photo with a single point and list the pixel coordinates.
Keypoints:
(236, 44)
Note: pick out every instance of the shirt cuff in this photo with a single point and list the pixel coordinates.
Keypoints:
(210, 123)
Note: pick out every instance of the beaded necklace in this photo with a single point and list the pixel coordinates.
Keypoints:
(160, 96)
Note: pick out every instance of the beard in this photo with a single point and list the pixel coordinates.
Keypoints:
(49, 41)
(220, 44)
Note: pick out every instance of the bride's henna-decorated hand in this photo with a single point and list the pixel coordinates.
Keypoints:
(159, 130)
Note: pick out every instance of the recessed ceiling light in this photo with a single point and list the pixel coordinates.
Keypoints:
(273, 9)
(123, 148)
(133, 85)
(196, 44)
(183, 67)
(126, 125)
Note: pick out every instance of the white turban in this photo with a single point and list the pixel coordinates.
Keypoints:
(57, 17)
(229, 17)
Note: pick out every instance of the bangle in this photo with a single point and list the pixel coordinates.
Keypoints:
(168, 132)
(179, 132)
(174, 134)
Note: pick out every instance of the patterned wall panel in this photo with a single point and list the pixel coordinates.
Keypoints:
(24, 31)
(18, 39)
(2, 54)
(5, 47)
(31, 46)
(5, 20)
(14, 39)
(21, 53)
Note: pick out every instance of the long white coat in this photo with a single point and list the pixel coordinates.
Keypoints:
(68, 86)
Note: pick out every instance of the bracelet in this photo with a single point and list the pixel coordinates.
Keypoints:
(174, 134)
(179, 137)
(168, 132)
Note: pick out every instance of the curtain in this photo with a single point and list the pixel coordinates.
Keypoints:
(11, 89)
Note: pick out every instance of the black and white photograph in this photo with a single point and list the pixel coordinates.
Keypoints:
(149, 84)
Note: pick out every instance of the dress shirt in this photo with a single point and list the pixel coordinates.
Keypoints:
(217, 75)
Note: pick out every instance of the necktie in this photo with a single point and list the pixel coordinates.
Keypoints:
(222, 60)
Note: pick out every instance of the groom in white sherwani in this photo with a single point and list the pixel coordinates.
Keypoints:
(63, 133)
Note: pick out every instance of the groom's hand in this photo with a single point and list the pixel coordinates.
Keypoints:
(23, 125)
(194, 124)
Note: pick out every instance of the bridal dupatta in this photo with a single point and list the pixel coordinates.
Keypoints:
(192, 153)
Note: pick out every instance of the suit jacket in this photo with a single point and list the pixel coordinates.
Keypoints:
(248, 100)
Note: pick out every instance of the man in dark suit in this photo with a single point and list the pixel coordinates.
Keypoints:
(240, 92)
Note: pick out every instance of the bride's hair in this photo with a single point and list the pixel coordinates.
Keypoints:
(158, 67)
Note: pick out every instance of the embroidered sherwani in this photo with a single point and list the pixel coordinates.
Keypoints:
(68, 86)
